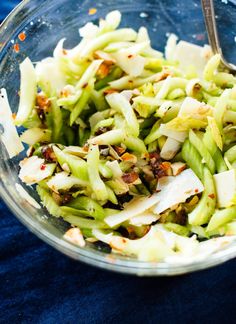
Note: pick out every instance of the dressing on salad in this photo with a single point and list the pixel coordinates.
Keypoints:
(133, 148)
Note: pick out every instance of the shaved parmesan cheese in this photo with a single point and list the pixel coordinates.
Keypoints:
(195, 109)
(24, 194)
(89, 31)
(133, 208)
(9, 136)
(132, 64)
(65, 181)
(188, 54)
(175, 190)
(225, 183)
(34, 170)
(145, 218)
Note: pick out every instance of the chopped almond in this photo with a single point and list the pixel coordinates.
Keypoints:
(42, 102)
(178, 167)
(130, 177)
(75, 236)
(128, 157)
(120, 150)
(118, 243)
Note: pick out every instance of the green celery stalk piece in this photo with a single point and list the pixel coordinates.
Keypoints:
(221, 217)
(206, 206)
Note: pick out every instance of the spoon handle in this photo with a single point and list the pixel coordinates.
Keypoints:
(209, 16)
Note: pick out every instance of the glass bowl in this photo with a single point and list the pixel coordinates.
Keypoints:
(44, 23)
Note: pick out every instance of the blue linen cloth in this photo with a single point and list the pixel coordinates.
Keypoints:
(40, 285)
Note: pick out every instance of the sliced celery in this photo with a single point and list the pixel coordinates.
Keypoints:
(206, 206)
(202, 150)
(193, 158)
(221, 217)
(96, 183)
(77, 166)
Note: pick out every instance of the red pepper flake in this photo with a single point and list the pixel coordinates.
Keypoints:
(22, 37)
(212, 196)
(92, 11)
(43, 167)
(196, 190)
(16, 47)
(130, 56)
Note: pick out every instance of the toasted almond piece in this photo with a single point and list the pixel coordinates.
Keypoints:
(129, 157)
(75, 236)
(177, 168)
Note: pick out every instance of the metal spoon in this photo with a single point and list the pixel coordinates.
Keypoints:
(209, 16)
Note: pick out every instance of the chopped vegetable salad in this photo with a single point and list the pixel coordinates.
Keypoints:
(132, 147)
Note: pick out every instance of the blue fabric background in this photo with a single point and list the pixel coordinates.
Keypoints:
(40, 285)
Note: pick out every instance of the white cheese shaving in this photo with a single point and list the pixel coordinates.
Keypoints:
(175, 190)
(33, 170)
(133, 208)
(225, 183)
(9, 136)
(188, 54)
